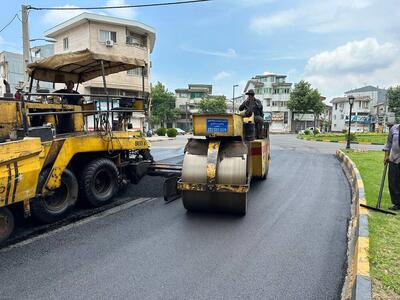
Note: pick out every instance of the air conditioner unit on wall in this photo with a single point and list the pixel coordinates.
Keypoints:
(109, 43)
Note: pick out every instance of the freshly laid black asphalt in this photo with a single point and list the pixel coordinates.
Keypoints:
(290, 245)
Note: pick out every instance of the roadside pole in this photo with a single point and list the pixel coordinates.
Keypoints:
(25, 39)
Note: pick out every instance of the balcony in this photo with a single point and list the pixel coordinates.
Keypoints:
(134, 41)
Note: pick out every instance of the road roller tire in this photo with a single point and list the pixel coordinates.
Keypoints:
(6, 224)
(99, 182)
(235, 203)
(59, 203)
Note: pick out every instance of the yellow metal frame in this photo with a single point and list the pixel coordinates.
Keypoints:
(20, 166)
(95, 142)
(22, 161)
(259, 154)
(235, 125)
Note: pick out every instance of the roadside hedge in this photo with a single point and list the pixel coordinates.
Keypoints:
(161, 131)
(172, 132)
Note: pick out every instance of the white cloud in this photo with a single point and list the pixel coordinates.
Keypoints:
(229, 53)
(127, 13)
(354, 64)
(332, 16)
(253, 2)
(222, 76)
(357, 56)
(59, 16)
(269, 23)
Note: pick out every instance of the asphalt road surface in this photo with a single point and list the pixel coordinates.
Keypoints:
(290, 245)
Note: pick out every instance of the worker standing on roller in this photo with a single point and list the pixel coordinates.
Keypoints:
(253, 105)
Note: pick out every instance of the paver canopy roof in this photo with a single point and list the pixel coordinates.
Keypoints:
(80, 66)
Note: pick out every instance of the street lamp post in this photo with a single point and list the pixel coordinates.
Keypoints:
(351, 102)
(233, 97)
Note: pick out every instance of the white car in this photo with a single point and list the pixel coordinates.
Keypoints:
(311, 129)
(180, 131)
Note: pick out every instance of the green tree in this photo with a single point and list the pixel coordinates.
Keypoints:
(214, 105)
(393, 97)
(162, 105)
(304, 100)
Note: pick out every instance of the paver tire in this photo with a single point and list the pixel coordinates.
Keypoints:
(99, 182)
(59, 203)
(6, 224)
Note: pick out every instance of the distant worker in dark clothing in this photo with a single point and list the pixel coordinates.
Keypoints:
(392, 157)
(253, 105)
(70, 99)
(18, 95)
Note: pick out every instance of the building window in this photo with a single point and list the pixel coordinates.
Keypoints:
(335, 106)
(268, 102)
(135, 72)
(342, 116)
(135, 39)
(196, 95)
(65, 44)
(107, 36)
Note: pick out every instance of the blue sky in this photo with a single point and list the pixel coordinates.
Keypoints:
(336, 45)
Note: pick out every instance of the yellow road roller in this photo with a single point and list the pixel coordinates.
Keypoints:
(220, 162)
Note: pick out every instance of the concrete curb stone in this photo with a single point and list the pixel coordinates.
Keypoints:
(357, 284)
(340, 142)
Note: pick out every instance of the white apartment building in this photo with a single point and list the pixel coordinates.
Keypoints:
(109, 35)
(188, 100)
(369, 110)
(377, 106)
(360, 116)
(12, 68)
(274, 92)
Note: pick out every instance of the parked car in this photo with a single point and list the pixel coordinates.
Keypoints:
(311, 129)
(180, 131)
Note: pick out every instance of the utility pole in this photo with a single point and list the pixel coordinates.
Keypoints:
(187, 121)
(233, 98)
(25, 39)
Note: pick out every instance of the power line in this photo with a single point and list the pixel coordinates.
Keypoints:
(8, 24)
(119, 6)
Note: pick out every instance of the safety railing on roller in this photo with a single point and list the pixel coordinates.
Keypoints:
(103, 114)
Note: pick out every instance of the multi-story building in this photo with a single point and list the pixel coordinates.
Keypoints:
(360, 116)
(188, 100)
(377, 106)
(109, 35)
(12, 67)
(273, 91)
(369, 110)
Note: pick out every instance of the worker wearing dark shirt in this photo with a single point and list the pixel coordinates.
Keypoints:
(70, 99)
(392, 157)
(253, 105)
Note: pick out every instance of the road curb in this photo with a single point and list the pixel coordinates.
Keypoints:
(340, 142)
(159, 139)
(357, 284)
